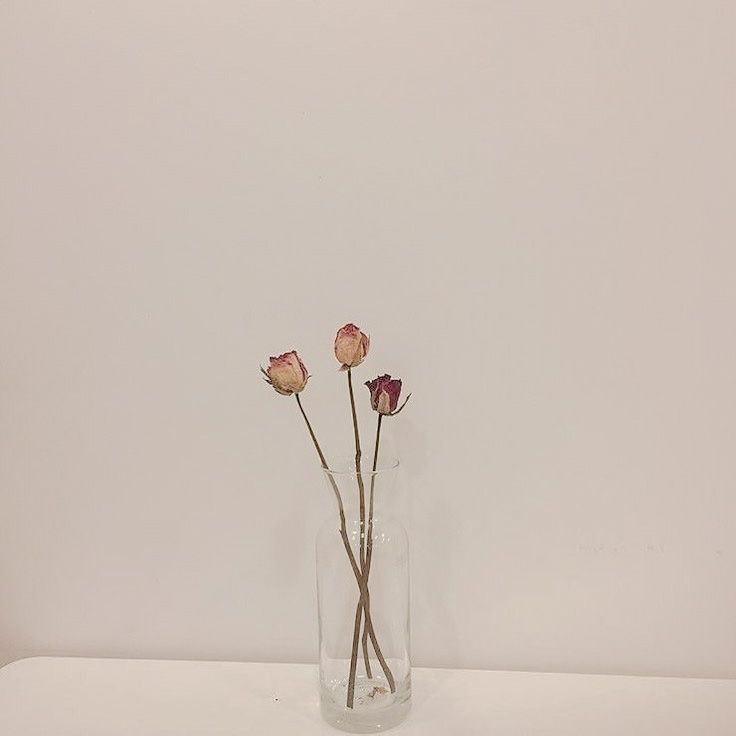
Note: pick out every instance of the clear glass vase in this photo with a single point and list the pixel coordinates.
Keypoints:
(363, 594)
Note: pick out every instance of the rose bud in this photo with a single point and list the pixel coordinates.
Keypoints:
(351, 346)
(384, 394)
(286, 373)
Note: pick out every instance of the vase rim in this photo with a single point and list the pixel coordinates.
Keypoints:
(347, 467)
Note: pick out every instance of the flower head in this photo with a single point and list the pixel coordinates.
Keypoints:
(286, 373)
(385, 393)
(351, 346)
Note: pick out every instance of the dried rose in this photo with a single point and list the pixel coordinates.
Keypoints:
(385, 393)
(351, 346)
(286, 373)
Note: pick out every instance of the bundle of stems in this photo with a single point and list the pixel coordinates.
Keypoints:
(359, 567)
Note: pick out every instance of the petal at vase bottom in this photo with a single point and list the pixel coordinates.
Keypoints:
(375, 708)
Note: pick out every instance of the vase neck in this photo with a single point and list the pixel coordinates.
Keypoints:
(377, 486)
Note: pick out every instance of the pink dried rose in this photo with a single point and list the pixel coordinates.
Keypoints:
(286, 373)
(385, 393)
(351, 346)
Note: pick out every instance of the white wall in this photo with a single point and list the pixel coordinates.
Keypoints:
(530, 207)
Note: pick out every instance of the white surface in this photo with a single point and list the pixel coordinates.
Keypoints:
(79, 697)
(529, 206)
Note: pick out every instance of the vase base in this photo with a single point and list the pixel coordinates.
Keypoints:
(375, 708)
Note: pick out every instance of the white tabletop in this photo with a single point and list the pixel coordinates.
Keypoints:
(59, 696)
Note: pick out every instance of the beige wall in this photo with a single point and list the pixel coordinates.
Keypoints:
(529, 205)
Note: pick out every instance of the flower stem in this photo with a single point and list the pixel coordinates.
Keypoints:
(361, 498)
(321, 455)
(358, 454)
(369, 551)
(370, 502)
(351, 558)
(354, 656)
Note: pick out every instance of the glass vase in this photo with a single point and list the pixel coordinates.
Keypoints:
(363, 596)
